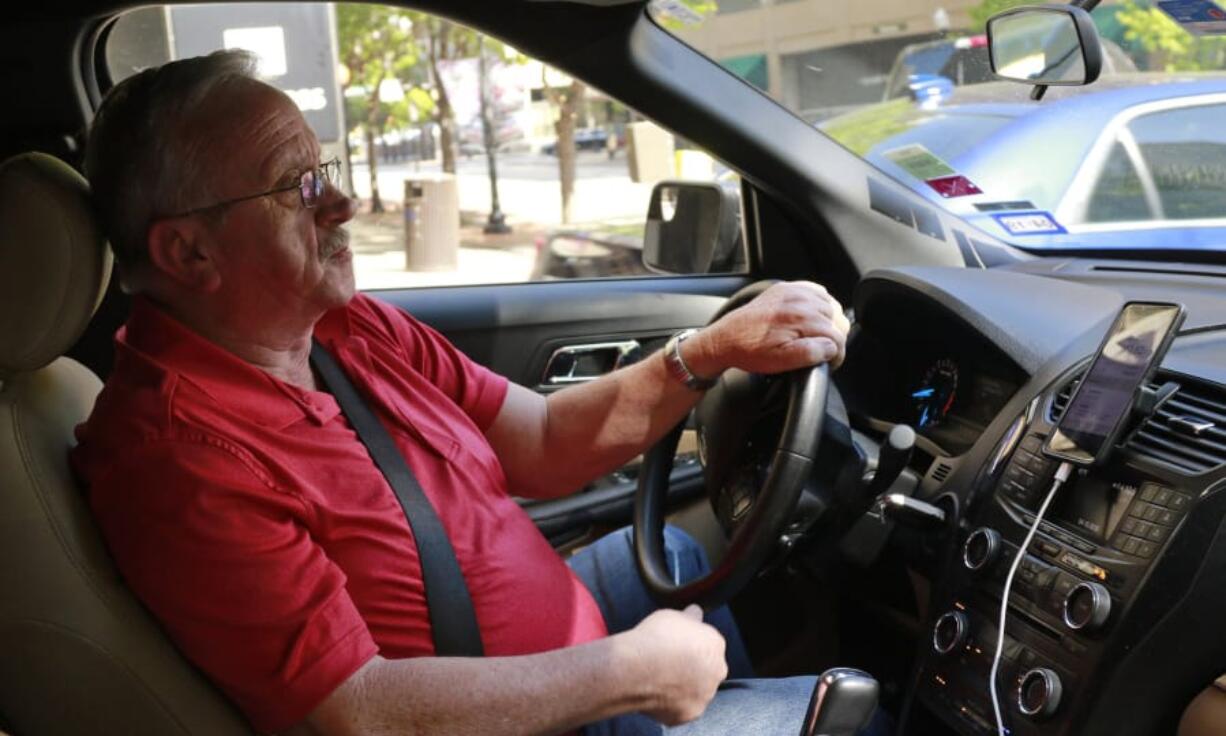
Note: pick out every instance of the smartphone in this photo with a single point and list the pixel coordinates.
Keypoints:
(1099, 409)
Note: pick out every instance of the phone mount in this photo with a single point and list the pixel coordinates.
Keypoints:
(1148, 401)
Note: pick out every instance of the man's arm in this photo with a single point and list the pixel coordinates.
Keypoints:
(551, 446)
(668, 666)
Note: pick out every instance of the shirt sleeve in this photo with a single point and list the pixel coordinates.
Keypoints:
(215, 552)
(477, 390)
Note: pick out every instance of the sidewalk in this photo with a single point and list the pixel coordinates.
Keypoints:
(377, 241)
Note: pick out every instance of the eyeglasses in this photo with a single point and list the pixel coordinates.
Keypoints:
(310, 186)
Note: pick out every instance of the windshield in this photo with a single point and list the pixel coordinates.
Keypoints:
(1136, 160)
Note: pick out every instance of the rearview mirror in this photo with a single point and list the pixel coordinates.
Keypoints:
(693, 227)
(1050, 45)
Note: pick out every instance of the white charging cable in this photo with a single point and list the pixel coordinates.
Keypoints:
(1062, 474)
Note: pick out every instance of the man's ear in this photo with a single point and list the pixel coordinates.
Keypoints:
(180, 250)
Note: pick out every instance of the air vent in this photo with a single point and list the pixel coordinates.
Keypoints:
(941, 472)
(1060, 401)
(1189, 431)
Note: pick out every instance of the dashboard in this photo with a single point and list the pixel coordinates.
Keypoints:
(1115, 615)
(944, 380)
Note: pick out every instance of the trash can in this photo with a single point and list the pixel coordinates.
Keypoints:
(431, 223)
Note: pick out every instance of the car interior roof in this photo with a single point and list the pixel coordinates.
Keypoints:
(42, 45)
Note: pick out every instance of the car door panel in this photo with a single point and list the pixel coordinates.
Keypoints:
(516, 329)
(513, 329)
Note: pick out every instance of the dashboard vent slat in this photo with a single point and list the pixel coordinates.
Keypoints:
(1060, 401)
(1149, 443)
(1165, 436)
(1197, 406)
(941, 472)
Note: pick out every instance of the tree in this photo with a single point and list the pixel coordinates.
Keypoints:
(1168, 46)
(567, 100)
(444, 41)
(988, 8)
(376, 46)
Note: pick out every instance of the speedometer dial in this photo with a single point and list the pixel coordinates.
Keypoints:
(936, 393)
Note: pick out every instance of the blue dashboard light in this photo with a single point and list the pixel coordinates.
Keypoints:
(934, 396)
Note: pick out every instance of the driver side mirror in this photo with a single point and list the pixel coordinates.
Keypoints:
(1045, 45)
(693, 228)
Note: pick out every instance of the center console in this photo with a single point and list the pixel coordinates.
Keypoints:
(1088, 560)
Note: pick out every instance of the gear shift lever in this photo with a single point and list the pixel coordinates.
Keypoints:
(842, 703)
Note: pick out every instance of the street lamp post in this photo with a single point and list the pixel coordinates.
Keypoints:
(497, 223)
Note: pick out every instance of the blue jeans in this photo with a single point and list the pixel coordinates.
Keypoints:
(742, 705)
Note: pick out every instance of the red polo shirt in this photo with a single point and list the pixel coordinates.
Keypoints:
(250, 519)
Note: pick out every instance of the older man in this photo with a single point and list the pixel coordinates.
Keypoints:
(243, 510)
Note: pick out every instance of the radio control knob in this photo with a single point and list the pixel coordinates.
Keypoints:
(1038, 693)
(1086, 607)
(950, 632)
(982, 549)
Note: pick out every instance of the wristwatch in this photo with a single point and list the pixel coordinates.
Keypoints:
(677, 367)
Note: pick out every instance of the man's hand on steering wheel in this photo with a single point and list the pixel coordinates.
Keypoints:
(757, 445)
(791, 325)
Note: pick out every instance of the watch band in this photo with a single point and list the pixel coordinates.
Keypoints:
(676, 365)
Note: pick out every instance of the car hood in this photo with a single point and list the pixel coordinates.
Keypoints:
(1021, 154)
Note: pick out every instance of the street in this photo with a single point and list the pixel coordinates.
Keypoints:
(528, 187)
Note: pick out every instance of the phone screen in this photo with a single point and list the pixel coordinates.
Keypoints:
(1095, 415)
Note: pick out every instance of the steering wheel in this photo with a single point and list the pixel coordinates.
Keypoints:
(753, 472)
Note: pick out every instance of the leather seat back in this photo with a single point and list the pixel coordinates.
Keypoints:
(78, 653)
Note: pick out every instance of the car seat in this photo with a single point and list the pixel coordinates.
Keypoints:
(78, 653)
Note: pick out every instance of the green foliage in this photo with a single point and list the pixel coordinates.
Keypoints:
(988, 8)
(1167, 45)
(378, 43)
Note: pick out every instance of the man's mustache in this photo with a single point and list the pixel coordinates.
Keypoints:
(333, 241)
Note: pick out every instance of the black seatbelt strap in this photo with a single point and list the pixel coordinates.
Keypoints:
(453, 623)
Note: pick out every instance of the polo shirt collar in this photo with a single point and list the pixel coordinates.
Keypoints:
(229, 380)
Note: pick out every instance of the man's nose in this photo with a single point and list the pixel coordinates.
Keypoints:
(335, 207)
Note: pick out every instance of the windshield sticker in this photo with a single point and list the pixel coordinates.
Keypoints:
(677, 10)
(919, 162)
(1029, 223)
(954, 186)
(1201, 17)
(1002, 206)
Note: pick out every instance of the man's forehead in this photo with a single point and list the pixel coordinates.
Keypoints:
(263, 126)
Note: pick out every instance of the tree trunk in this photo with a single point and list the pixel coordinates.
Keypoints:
(446, 135)
(565, 128)
(444, 115)
(372, 158)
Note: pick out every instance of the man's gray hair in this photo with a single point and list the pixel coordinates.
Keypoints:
(142, 161)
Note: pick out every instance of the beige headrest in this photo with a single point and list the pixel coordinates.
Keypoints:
(54, 263)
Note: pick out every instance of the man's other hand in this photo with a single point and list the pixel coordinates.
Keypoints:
(684, 663)
(791, 325)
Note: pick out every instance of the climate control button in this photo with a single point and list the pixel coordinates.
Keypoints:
(1038, 693)
(1086, 607)
(982, 548)
(950, 631)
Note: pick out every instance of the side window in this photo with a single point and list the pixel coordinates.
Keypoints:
(1177, 170)
(472, 162)
(1117, 195)
(1185, 152)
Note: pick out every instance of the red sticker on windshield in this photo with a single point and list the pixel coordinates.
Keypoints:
(954, 186)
